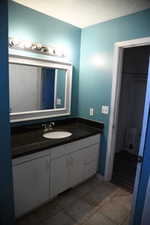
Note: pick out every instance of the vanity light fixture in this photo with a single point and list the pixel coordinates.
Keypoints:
(35, 47)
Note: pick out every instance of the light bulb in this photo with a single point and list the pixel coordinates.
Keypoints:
(50, 50)
(21, 44)
(39, 46)
(27, 44)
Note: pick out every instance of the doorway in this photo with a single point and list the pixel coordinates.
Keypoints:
(115, 98)
(130, 115)
(119, 50)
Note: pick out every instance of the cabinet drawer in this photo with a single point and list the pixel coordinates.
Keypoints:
(30, 157)
(74, 146)
(83, 143)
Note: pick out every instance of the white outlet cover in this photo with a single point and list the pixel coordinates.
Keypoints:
(105, 109)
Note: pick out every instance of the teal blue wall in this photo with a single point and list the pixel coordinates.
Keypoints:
(6, 189)
(28, 24)
(93, 87)
(95, 81)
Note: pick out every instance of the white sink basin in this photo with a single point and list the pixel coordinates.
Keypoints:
(57, 134)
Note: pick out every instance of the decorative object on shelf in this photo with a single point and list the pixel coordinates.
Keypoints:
(35, 47)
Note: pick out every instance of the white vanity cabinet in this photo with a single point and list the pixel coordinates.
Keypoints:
(66, 172)
(31, 184)
(41, 176)
(74, 163)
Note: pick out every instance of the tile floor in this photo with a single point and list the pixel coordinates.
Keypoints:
(94, 202)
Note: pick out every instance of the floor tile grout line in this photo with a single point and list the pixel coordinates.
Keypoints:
(69, 215)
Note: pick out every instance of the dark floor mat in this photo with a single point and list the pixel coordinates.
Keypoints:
(124, 170)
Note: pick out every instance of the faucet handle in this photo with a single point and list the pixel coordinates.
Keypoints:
(53, 124)
(45, 127)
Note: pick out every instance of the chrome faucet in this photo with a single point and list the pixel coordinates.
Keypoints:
(51, 125)
(48, 127)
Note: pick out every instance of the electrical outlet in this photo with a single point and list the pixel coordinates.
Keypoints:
(91, 111)
(105, 109)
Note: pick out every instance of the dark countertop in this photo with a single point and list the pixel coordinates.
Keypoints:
(28, 139)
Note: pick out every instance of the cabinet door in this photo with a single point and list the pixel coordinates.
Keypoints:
(59, 175)
(91, 157)
(31, 184)
(72, 169)
(90, 169)
(83, 164)
(76, 168)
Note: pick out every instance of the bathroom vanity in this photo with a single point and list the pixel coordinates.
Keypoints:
(47, 163)
(44, 168)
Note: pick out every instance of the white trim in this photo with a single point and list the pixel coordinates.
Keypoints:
(134, 43)
(55, 89)
(36, 111)
(40, 114)
(116, 85)
(116, 81)
(48, 59)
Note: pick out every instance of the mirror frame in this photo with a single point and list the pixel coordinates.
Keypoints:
(49, 113)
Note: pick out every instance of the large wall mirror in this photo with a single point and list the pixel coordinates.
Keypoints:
(38, 88)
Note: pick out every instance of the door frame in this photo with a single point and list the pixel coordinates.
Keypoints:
(115, 97)
(116, 87)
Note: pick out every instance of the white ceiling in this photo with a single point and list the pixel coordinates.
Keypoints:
(83, 13)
